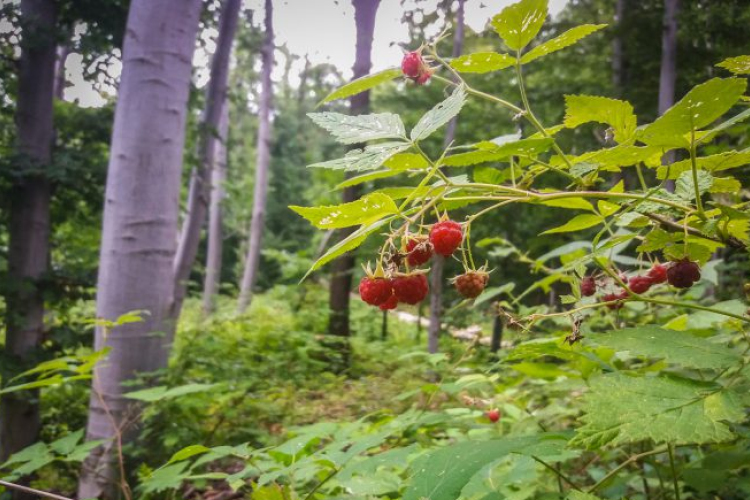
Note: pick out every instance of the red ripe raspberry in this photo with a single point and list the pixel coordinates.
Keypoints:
(615, 296)
(471, 284)
(588, 286)
(446, 237)
(410, 288)
(375, 291)
(640, 284)
(683, 273)
(412, 64)
(493, 415)
(419, 250)
(658, 274)
(389, 304)
(423, 77)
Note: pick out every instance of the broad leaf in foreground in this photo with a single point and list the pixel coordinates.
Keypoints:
(370, 158)
(580, 109)
(482, 62)
(490, 152)
(739, 65)
(439, 115)
(362, 84)
(356, 129)
(520, 22)
(567, 39)
(621, 409)
(363, 211)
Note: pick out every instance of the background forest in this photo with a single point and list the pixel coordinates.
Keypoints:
(170, 330)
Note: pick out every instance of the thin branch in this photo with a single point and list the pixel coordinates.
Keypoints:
(33, 491)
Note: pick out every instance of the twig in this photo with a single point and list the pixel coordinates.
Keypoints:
(33, 491)
(627, 462)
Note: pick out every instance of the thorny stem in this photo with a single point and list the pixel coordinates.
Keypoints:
(694, 169)
(560, 475)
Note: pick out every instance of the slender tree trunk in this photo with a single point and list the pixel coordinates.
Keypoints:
(200, 187)
(438, 262)
(215, 228)
(497, 333)
(63, 51)
(141, 213)
(28, 252)
(263, 159)
(618, 60)
(343, 267)
(668, 74)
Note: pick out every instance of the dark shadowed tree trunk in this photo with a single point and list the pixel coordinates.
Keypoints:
(618, 59)
(28, 252)
(200, 179)
(668, 74)
(343, 267)
(215, 234)
(438, 262)
(141, 211)
(262, 163)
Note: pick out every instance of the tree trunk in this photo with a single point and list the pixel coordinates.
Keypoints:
(438, 262)
(668, 74)
(618, 61)
(215, 233)
(263, 159)
(29, 228)
(141, 213)
(343, 267)
(497, 332)
(199, 192)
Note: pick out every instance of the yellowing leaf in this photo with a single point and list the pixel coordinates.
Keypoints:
(560, 42)
(520, 22)
(577, 223)
(363, 211)
(482, 62)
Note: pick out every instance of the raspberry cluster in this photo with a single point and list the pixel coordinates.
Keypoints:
(386, 289)
(415, 68)
(680, 274)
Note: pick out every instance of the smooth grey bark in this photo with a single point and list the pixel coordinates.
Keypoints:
(200, 179)
(29, 228)
(438, 262)
(668, 73)
(262, 163)
(618, 60)
(215, 230)
(141, 211)
(343, 267)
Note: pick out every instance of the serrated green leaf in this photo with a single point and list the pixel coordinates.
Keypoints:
(66, 445)
(571, 203)
(482, 62)
(580, 495)
(439, 115)
(725, 185)
(362, 84)
(406, 161)
(621, 409)
(520, 22)
(680, 348)
(577, 223)
(699, 108)
(612, 159)
(560, 42)
(739, 65)
(188, 452)
(709, 135)
(491, 152)
(713, 163)
(658, 239)
(370, 176)
(166, 478)
(349, 129)
(367, 209)
(580, 109)
(685, 187)
(162, 392)
(370, 158)
(488, 175)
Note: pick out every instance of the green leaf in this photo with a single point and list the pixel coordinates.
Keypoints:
(370, 158)
(482, 62)
(439, 115)
(347, 244)
(363, 211)
(577, 223)
(520, 22)
(685, 187)
(580, 495)
(370, 176)
(739, 65)
(362, 84)
(711, 134)
(66, 445)
(188, 452)
(357, 129)
(713, 163)
(406, 161)
(699, 108)
(162, 392)
(725, 185)
(489, 175)
(580, 109)
(621, 409)
(658, 239)
(443, 473)
(613, 159)
(680, 348)
(571, 203)
(166, 478)
(560, 42)
(492, 152)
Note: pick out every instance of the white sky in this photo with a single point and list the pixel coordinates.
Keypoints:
(324, 30)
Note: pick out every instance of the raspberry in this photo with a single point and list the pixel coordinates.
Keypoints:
(683, 273)
(446, 237)
(658, 274)
(622, 294)
(588, 286)
(375, 291)
(410, 288)
(493, 415)
(419, 250)
(389, 304)
(423, 77)
(640, 284)
(412, 64)
(471, 284)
